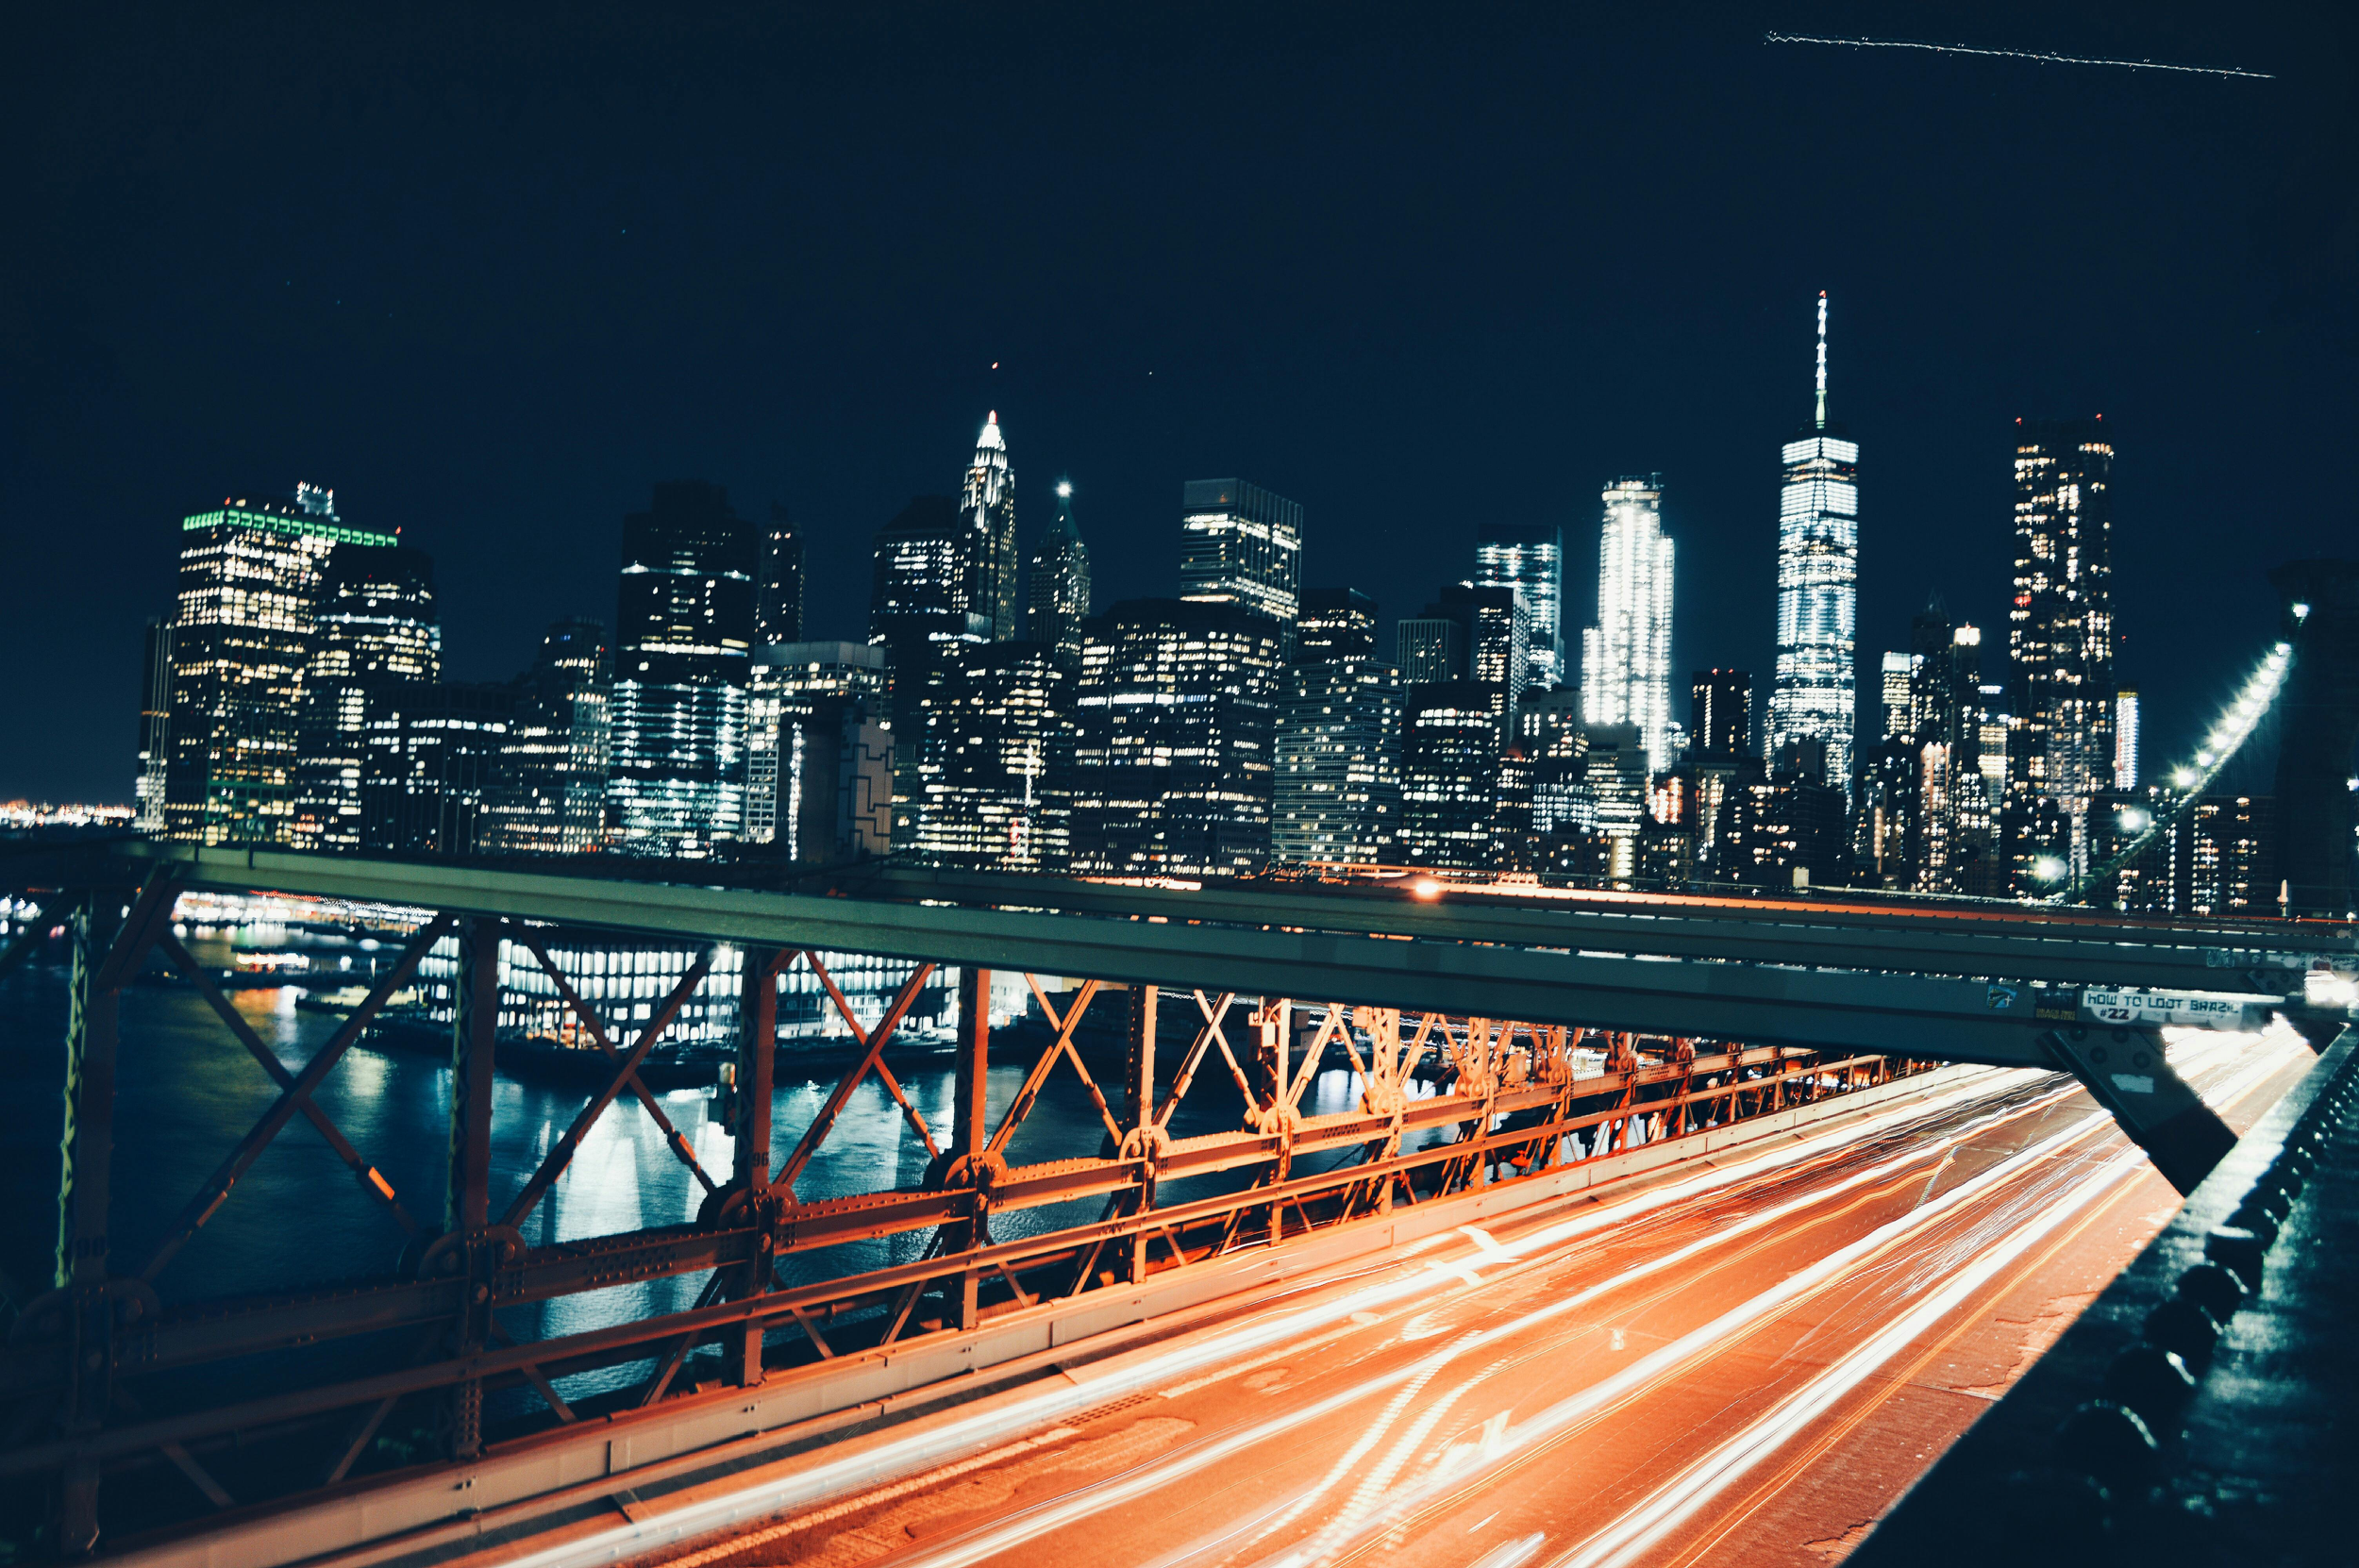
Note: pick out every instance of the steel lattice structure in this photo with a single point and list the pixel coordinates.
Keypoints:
(1488, 1000)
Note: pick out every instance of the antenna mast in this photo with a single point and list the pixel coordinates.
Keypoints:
(1822, 359)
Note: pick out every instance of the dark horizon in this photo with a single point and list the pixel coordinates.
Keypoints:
(493, 278)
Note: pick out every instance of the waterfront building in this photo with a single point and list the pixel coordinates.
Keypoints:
(778, 584)
(1449, 774)
(1242, 545)
(684, 635)
(787, 680)
(373, 630)
(1626, 657)
(1172, 771)
(925, 595)
(1813, 697)
(995, 759)
(1530, 559)
(1059, 588)
(241, 635)
(1334, 623)
(1335, 797)
(551, 795)
(987, 528)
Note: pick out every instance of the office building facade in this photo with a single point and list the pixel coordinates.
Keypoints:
(374, 630)
(683, 637)
(1814, 694)
(778, 584)
(1449, 774)
(243, 628)
(1530, 559)
(551, 798)
(1335, 796)
(1626, 657)
(788, 681)
(1241, 545)
(2060, 631)
(995, 759)
(1173, 754)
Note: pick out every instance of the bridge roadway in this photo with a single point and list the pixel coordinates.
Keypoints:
(1742, 1364)
(1501, 1059)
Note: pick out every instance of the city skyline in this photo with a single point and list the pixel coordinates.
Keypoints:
(652, 291)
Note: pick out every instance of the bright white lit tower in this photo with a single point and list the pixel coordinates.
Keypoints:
(1626, 657)
(1814, 697)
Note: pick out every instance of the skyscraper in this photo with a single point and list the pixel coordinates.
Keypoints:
(2060, 632)
(551, 794)
(1242, 545)
(987, 514)
(778, 586)
(1058, 591)
(924, 598)
(1432, 646)
(995, 759)
(1335, 797)
(1172, 763)
(1449, 774)
(1814, 694)
(1626, 657)
(2126, 740)
(374, 631)
(684, 631)
(1335, 623)
(1530, 559)
(1720, 712)
(1895, 691)
(241, 634)
(789, 681)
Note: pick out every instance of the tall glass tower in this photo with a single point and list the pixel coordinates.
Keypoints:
(1626, 657)
(1815, 694)
(1059, 583)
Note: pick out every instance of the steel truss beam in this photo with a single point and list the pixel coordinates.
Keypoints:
(1488, 1009)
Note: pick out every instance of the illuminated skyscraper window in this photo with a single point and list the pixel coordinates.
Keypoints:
(1626, 657)
(1815, 692)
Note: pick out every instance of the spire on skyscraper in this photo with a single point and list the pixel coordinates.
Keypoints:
(1822, 359)
(987, 506)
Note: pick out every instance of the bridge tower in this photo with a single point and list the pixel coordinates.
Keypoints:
(2320, 709)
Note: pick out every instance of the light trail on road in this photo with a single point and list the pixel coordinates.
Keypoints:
(1477, 1403)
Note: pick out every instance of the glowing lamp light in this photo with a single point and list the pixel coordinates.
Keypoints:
(2183, 778)
(2134, 820)
(2047, 868)
(2301, 612)
(1426, 888)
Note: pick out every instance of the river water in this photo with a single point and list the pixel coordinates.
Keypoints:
(187, 1091)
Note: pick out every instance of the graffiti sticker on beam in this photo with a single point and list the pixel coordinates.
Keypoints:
(2185, 1009)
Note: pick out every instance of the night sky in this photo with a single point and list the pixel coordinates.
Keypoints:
(490, 272)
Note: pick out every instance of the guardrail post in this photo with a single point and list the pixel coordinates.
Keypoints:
(1139, 1114)
(87, 1152)
(475, 1027)
(970, 1134)
(757, 1056)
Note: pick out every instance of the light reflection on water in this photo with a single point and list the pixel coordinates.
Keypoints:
(187, 1091)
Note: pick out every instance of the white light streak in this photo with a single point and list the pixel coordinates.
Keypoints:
(2016, 54)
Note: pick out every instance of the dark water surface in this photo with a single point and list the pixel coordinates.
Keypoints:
(187, 1091)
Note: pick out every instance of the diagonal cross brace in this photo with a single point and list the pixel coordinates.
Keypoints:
(589, 1022)
(561, 1155)
(371, 1180)
(1021, 1105)
(873, 1043)
(216, 1189)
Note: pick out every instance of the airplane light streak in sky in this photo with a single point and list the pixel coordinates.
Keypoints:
(2015, 54)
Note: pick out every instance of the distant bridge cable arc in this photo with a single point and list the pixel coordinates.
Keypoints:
(2044, 58)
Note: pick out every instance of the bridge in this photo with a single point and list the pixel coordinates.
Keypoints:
(1509, 1049)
